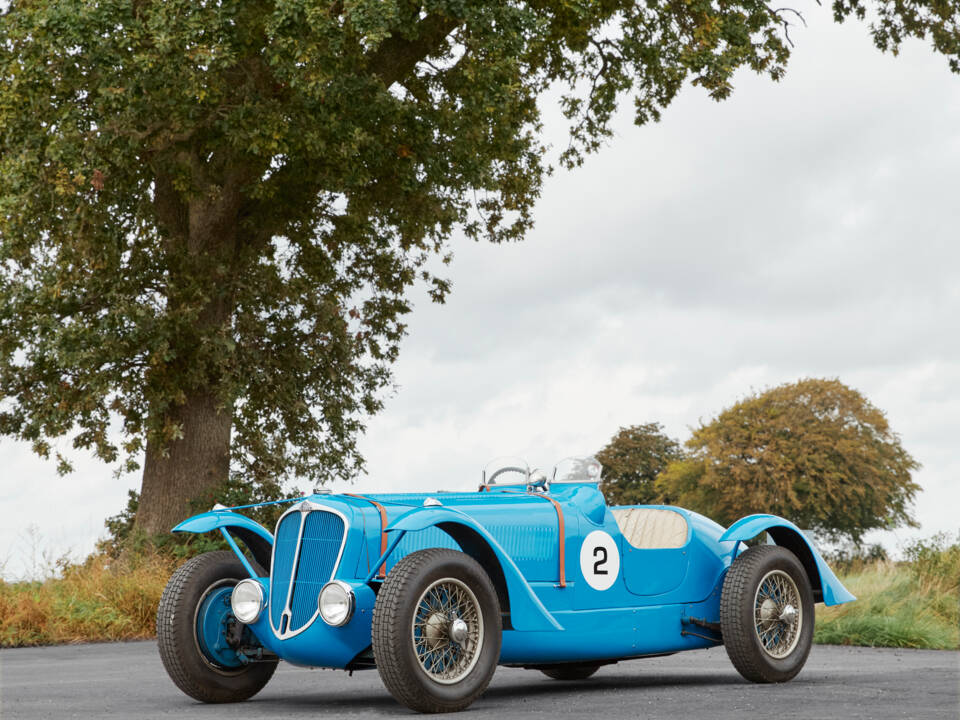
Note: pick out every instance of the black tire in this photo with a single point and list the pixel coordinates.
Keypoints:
(396, 624)
(749, 612)
(191, 670)
(570, 672)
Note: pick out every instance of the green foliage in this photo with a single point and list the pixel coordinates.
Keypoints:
(120, 527)
(122, 537)
(816, 452)
(232, 199)
(895, 20)
(631, 462)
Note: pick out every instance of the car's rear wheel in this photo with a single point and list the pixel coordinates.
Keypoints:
(570, 672)
(199, 637)
(436, 631)
(767, 614)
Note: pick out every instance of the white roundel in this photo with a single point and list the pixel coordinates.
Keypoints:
(599, 560)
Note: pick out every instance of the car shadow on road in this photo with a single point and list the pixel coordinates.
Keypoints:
(377, 701)
(321, 704)
(616, 682)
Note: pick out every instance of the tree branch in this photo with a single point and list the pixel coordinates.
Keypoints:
(776, 14)
(397, 57)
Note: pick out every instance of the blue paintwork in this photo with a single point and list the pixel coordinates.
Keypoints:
(335, 647)
(526, 610)
(216, 519)
(649, 606)
(212, 617)
(834, 593)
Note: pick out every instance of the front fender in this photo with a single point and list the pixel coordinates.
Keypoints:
(826, 587)
(526, 611)
(256, 537)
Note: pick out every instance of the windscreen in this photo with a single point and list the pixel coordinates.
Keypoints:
(577, 470)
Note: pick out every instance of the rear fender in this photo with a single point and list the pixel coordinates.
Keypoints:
(517, 598)
(826, 587)
(256, 537)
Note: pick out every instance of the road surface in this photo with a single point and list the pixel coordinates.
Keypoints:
(126, 680)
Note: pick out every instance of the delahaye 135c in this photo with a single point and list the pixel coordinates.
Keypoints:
(436, 590)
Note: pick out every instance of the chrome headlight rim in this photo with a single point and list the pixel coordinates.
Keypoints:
(348, 595)
(242, 586)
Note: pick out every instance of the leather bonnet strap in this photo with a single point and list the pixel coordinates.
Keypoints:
(563, 537)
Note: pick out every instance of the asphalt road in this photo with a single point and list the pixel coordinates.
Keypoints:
(126, 680)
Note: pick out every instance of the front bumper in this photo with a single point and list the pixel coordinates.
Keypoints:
(319, 644)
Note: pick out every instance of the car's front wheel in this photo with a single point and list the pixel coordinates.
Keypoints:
(766, 614)
(199, 638)
(436, 630)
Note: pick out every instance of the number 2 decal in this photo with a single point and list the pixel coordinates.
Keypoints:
(599, 560)
(599, 551)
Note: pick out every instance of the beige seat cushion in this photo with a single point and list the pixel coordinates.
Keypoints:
(650, 528)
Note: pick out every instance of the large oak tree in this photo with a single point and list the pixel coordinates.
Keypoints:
(212, 211)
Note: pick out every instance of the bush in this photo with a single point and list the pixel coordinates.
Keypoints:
(853, 558)
(936, 561)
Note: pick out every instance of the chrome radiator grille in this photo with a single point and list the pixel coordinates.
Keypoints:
(307, 548)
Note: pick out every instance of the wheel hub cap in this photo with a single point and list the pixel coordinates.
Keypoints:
(768, 610)
(435, 630)
(458, 631)
(788, 614)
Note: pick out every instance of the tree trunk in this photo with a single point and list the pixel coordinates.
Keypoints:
(203, 231)
(190, 468)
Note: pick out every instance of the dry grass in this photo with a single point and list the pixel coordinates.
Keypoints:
(101, 599)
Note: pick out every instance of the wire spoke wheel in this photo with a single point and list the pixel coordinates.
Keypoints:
(767, 614)
(447, 631)
(436, 630)
(777, 618)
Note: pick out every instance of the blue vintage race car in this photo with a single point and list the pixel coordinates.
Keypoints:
(436, 590)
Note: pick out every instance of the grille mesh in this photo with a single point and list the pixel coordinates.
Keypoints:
(319, 547)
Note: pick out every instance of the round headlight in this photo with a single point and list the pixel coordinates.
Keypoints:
(247, 601)
(336, 603)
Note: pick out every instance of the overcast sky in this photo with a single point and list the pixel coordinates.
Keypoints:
(800, 229)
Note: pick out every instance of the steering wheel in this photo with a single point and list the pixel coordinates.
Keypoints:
(501, 471)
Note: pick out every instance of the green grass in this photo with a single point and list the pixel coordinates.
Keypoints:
(892, 610)
(912, 604)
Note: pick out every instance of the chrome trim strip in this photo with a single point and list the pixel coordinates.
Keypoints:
(293, 572)
(304, 508)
